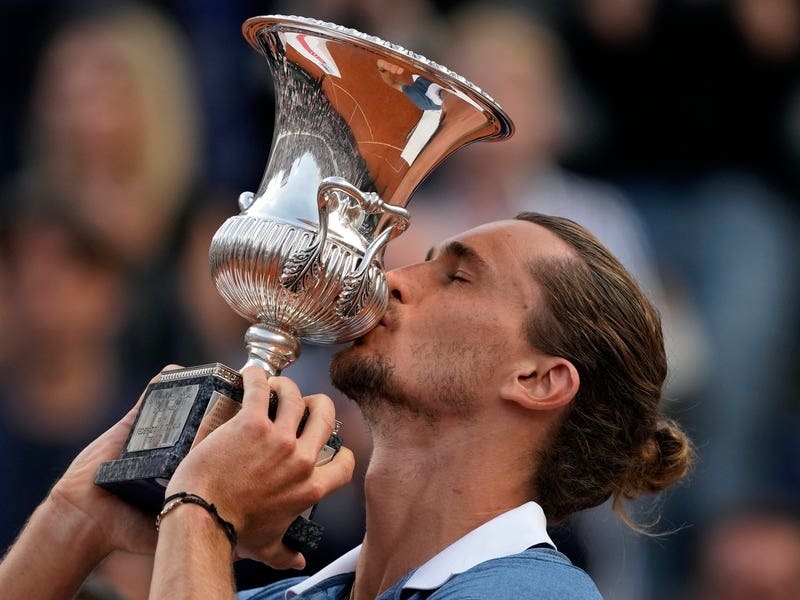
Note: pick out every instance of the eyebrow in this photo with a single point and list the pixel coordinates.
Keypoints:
(461, 251)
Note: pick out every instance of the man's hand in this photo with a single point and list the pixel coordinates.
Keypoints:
(115, 524)
(393, 75)
(259, 474)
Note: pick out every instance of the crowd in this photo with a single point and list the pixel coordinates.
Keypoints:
(671, 129)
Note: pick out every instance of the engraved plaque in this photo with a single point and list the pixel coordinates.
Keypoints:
(177, 408)
(162, 418)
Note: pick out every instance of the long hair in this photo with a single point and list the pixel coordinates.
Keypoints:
(613, 440)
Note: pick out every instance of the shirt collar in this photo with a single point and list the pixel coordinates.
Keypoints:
(509, 533)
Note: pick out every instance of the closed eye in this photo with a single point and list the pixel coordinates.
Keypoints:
(457, 277)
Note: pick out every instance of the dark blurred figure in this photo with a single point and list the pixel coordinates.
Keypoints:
(209, 330)
(114, 126)
(681, 88)
(520, 62)
(748, 555)
(109, 162)
(65, 297)
(114, 139)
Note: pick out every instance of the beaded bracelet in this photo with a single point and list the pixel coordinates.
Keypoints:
(175, 500)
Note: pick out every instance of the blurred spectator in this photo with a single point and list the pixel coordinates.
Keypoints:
(209, 330)
(66, 297)
(114, 139)
(114, 126)
(676, 89)
(110, 159)
(751, 554)
(694, 100)
(235, 89)
(521, 63)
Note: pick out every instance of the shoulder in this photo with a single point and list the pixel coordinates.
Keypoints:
(537, 573)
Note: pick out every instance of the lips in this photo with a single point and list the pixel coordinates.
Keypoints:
(386, 320)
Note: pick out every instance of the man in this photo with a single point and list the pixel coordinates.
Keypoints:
(516, 374)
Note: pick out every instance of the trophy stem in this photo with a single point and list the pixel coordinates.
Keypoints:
(270, 348)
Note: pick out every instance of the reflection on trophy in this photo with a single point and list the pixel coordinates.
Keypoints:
(359, 124)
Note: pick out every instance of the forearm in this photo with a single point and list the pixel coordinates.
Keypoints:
(53, 555)
(193, 557)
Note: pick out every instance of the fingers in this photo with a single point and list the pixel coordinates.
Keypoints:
(325, 480)
(276, 474)
(291, 404)
(279, 557)
(256, 391)
(256, 399)
(321, 419)
(338, 472)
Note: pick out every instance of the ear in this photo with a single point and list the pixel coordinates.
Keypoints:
(545, 383)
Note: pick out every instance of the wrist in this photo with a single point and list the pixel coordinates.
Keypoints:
(35, 566)
(73, 527)
(193, 558)
(178, 499)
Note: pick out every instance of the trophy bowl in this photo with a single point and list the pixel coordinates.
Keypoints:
(359, 123)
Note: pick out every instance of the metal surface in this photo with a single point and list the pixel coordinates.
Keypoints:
(360, 122)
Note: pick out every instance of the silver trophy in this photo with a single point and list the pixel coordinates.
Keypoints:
(360, 122)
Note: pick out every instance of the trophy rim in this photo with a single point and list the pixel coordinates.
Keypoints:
(253, 26)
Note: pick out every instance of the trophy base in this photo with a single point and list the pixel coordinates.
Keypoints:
(140, 481)
(178, 410)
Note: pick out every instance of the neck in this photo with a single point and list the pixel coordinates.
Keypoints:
(426, 487)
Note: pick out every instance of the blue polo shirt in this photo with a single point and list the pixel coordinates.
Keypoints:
(497, 560)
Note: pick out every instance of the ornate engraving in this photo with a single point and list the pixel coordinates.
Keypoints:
(356, 291)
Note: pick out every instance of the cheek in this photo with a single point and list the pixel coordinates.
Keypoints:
(467, 351)
(463, 337)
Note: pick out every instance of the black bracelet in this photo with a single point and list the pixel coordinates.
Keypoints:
(175, 500)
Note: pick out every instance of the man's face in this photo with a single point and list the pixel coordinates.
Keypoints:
(454, 325)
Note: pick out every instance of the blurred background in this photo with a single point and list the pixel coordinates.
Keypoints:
(670, 128)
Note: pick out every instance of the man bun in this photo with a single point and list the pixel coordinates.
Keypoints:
(663, 460)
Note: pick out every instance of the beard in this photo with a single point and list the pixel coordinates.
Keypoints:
(373, 384)
(368, 381)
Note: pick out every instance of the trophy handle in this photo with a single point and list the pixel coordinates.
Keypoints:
(371, 203)
(355, 284)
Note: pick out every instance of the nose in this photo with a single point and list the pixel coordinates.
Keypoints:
(409, 283)
(394, 280)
